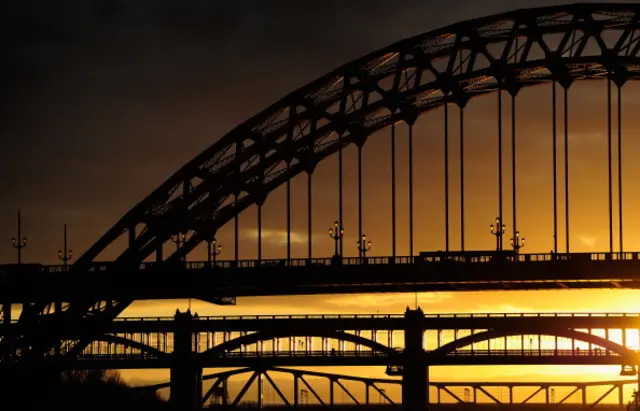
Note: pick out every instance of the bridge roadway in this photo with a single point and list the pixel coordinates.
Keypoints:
(154, 352)
(363, 322)
(272, 358)
(433, 271)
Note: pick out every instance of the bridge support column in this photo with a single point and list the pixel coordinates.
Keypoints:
(415, 379)
(186, 373)
(6, 333)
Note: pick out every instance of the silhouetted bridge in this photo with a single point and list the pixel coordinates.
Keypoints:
(407, 345)
(244, 387)
(386, 90)
(349, 340)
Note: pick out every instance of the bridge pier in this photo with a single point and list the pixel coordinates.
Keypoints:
(6, 330)
(186, 373)
(415, 375)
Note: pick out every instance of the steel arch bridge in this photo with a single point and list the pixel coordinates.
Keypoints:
(435, 70)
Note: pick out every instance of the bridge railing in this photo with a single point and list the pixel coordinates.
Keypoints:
(374, 316)
(378, 316)
(535, 352)
(434, 257)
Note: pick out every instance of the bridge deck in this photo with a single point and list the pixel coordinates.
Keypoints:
(343, 358)
(430, 272)
(366, 322)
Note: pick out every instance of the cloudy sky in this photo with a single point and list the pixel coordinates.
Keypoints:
(104, 99)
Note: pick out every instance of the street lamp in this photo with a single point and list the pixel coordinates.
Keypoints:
(498, 231)
(179, 239)
(213, 250)
(64, 254)
(517, 242)
(20, 242)
(364, 245)
(337, 232)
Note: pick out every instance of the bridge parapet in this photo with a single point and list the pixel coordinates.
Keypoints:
(431, 257)
(429, 272)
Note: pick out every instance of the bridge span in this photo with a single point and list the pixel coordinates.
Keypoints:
(244, 387)
(223, 281)
(406, 345)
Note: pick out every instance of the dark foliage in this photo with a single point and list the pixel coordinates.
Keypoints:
(95, 390)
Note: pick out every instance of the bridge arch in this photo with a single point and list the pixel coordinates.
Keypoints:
(115, 339)
(626, 353)
(264, 336)
(346, 106)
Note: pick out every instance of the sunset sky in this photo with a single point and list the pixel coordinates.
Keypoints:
(106, 99)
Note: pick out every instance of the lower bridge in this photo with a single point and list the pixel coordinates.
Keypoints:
(406, 345)
(276, 387)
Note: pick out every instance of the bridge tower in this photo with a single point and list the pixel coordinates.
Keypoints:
(415, 378)
(186, 372)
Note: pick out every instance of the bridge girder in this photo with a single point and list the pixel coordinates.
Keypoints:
(447, 391)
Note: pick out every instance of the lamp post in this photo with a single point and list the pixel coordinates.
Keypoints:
(179, 240)
(517, 242)
(364, 245)
(213, 250)
(336, 232)
(20, 242)
(498, 231)
(64, 254)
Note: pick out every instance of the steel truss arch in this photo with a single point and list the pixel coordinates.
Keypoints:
(626, 353)
(449, 65)
(263, 336)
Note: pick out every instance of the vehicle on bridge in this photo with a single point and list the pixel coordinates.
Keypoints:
(467, 256)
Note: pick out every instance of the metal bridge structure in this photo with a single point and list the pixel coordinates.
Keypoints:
(297, 388)
(380, 94)
(352, 340)
(407, 345)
